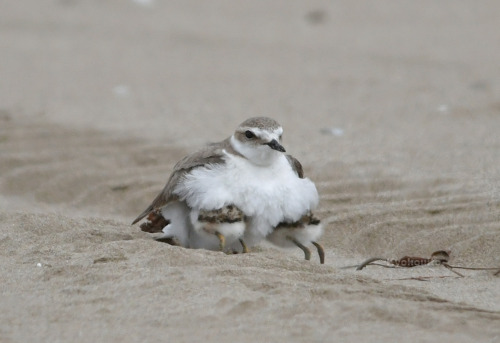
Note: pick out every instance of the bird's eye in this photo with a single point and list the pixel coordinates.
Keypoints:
(249, 134)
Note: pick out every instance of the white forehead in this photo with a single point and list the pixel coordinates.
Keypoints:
(269, 134)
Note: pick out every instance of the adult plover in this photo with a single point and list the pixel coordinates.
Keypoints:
(232, 193)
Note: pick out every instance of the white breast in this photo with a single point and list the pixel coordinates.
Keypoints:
(270, 193)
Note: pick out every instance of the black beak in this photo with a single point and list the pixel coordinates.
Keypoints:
(276, 146)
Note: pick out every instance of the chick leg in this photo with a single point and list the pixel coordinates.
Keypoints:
(321, 252)
(244, 246)
(222, 240)
(306, 251)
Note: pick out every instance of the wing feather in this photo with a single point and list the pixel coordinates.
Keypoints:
(296, 166)
(209, 155)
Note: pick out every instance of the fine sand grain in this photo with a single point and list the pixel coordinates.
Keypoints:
(393, 109)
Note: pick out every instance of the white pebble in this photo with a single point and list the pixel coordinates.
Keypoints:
(121, 91)
(144, 2)
(335, 131)
(443, 108)
(39, 265)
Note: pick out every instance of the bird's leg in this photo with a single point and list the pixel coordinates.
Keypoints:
(222, 240)
(321, 252)
(244, 246)
(306, 251)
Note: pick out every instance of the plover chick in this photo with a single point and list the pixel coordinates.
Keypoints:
(305, 231)
(214, 230)
(248, 171)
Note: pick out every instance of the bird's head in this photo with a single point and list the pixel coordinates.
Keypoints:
(259, 140)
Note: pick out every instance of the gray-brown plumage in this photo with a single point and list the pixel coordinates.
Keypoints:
(227, 214)
(210, 155)
(296, 166)
(307, 219)
(154, 222)
(263, 123)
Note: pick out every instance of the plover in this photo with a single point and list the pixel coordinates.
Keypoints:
(248, 175)
(300, 233)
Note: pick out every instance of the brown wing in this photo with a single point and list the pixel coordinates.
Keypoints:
(296, 166)
(209, 155)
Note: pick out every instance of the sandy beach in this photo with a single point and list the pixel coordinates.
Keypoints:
(392, 108)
